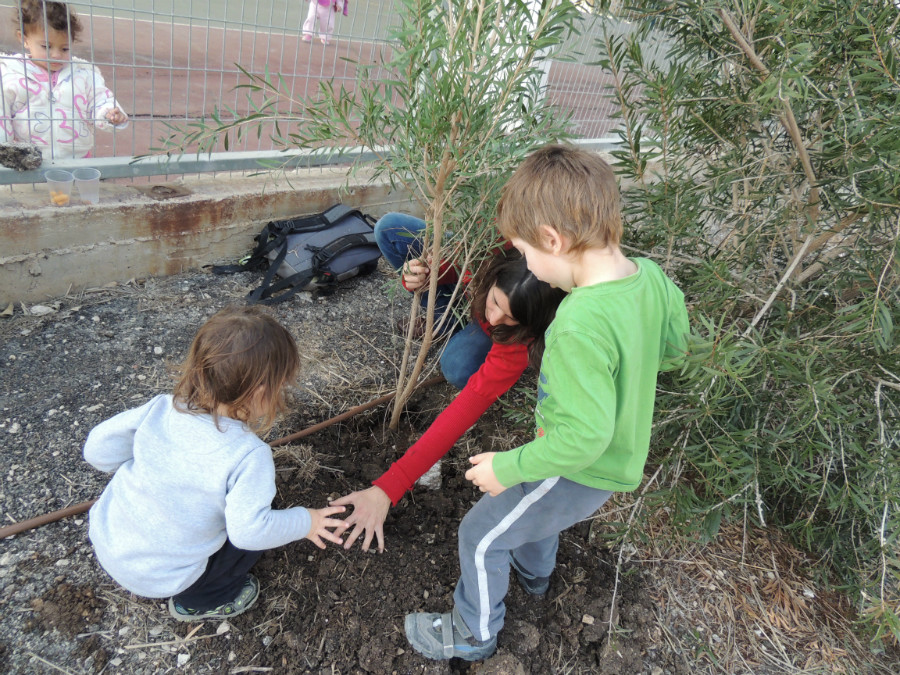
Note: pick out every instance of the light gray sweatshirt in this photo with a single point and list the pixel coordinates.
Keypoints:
(181, 486)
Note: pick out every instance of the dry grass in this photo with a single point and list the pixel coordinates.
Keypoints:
(299, 458)
(746, 602)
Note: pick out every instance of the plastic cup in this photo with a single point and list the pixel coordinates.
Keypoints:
(60, 184)
(88, 183)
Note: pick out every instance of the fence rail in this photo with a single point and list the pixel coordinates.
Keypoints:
(173, 61)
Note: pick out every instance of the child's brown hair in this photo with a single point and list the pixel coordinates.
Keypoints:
(238, 353)
(57, 15)
(571, 190)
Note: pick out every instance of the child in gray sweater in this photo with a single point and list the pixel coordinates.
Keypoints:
(189, 509)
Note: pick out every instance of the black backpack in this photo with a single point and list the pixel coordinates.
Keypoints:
(311, 253)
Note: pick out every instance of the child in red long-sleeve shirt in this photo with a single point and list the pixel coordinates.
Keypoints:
(511, 310)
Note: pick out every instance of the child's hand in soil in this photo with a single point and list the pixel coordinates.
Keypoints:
(482, 474)
(321, 524)
(370, 508)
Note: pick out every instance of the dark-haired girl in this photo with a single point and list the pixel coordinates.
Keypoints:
(510, 311)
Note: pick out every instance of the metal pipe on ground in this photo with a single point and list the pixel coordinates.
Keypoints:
(75, 509)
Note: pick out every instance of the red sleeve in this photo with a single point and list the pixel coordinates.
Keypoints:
(447, 274)
(500, 371)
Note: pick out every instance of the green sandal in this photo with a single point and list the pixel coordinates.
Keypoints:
(244, 601)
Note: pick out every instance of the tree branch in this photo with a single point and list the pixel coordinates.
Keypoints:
(787, 120)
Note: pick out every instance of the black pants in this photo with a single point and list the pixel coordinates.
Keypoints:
(226, 571)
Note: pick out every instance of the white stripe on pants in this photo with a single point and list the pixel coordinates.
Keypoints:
(529, 517)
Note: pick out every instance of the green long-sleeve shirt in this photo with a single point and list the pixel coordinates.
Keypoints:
(598, 382)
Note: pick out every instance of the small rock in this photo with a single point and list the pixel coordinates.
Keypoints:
(223, 627)
(41, 310)
(588, 619)
(157, 350)
(432, 478)
(156, 631)
(183, 659)
(15, 428)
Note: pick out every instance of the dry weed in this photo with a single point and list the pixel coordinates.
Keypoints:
(745, 602)
(299, 458)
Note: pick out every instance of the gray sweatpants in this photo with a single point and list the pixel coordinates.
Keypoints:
(524, 521)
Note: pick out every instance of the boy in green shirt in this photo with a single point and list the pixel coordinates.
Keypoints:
(621, 323)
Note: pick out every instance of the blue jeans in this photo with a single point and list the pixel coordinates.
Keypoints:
(464, 354)
(399, 238)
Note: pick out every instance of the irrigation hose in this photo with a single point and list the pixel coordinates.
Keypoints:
(75, 509)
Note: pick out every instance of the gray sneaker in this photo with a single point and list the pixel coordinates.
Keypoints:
(244, 601)
(536, 586)
(445, 636)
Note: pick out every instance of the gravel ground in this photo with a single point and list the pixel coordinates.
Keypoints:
(71, 362)
(74, 361)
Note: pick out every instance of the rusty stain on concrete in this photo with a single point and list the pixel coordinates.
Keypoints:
(129, 235)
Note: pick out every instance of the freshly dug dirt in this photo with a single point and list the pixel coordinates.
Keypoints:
(83, 358)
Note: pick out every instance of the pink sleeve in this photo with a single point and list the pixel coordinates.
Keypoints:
(500, 371)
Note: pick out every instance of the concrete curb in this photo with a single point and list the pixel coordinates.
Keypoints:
(48, 251)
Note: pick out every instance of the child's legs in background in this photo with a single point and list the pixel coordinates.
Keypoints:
(223, 579)
(530, 513)
(326, 20)
(327, 27)
(399, 237)
(309, 26)
(464, 354)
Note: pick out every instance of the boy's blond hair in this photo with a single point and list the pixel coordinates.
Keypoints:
(571, 190)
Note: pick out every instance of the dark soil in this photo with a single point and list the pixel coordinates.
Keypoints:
(350, 605)
(331, 611)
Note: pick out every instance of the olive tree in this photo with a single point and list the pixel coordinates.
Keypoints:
(763, 162)
(455, 103)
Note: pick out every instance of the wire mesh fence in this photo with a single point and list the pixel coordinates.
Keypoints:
(168, 62)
